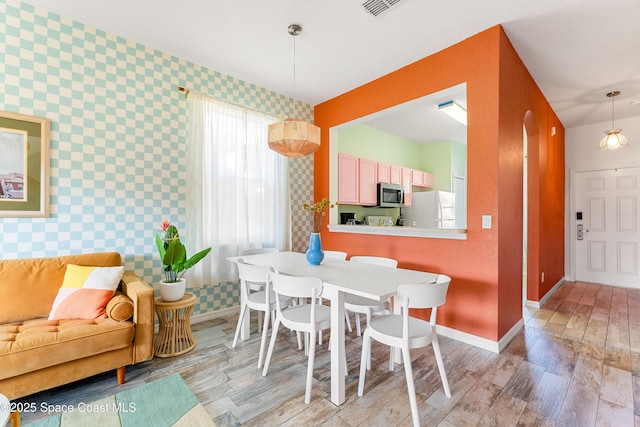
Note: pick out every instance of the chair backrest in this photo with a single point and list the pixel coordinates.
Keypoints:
(252, 273)
(295, 286)
(378, 260)
(258, 251)
(335, 254)
(425, 295)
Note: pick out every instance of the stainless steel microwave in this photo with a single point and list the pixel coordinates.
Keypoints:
(390, 195)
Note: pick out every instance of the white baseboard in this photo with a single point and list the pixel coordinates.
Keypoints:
(474, 340)
(484, 343)
(506, 339)
(203, 317)
(545, 298)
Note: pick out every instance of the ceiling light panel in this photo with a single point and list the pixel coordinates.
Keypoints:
(454, 111)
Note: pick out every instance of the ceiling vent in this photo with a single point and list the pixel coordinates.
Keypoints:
(378, 7)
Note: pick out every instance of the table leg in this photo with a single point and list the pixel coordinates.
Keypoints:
(15, 419)
(337, 344)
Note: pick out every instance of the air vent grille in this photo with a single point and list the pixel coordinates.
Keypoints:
(377, 7)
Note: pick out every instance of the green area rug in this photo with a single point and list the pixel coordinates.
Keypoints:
(165, 402)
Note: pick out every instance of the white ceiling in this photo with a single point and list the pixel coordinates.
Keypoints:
(576, 50)
(419, 120)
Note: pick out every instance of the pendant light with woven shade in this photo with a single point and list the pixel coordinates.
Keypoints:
(293, 137)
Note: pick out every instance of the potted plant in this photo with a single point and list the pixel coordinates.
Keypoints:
(174, 262)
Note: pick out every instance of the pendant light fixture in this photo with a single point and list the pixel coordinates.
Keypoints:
(613, 139)
(294, 137)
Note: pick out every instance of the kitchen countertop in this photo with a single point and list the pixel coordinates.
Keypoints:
(433, 233)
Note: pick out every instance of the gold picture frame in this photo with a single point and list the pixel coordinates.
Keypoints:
(24, 165)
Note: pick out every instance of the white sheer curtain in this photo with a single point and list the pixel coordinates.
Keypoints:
(237, 188)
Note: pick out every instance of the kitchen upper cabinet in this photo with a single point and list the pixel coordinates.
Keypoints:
(357, 180)
(421, 179)
(384, 172)
(368, 174)
(391, 174)
(348, 179)
(396, 174)
(417, 178)
(428, 179)
(407, 182)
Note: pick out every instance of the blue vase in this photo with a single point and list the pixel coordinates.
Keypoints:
(315, 255)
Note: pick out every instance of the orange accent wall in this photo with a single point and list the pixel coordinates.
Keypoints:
(484, 298)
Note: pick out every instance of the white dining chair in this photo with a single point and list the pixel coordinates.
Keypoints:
(258, 286)
(378, 260)
(335, 254)
(263, 301)
(307, 318)
(405, 332)
(255, 251)
(361, 305)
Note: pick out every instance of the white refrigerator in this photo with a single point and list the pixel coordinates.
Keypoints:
(431, 209)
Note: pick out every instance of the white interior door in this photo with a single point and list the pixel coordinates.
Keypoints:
(608, 251)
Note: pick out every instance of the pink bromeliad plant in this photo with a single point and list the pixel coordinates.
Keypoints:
(174, 254)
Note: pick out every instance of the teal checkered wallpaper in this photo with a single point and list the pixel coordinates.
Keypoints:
(118, 140)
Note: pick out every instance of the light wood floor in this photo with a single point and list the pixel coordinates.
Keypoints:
(576, 363)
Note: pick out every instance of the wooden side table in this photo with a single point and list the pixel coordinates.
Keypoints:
(174, 335)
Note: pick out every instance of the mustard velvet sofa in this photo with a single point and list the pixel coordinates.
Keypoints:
(37, 354)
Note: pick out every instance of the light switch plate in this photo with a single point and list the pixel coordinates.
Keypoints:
(486, 221)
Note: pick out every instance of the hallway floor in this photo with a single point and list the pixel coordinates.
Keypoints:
(576, 363)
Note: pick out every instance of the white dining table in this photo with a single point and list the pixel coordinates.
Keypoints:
(341, 277)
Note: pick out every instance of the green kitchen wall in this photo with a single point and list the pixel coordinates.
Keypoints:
(370, 143)
(443, 159)
(118, 140)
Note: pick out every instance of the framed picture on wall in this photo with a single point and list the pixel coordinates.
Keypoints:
(24, 165)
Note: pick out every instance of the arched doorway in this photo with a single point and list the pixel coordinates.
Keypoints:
(525, 204)
(531, 213)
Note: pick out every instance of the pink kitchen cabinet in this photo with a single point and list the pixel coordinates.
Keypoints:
(384, 172)
(396, 174)
(368, 174)
(348, 179)
(417, 178)
(428, 180)
(407, 182)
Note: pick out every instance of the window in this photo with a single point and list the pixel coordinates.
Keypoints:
(237, 194)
